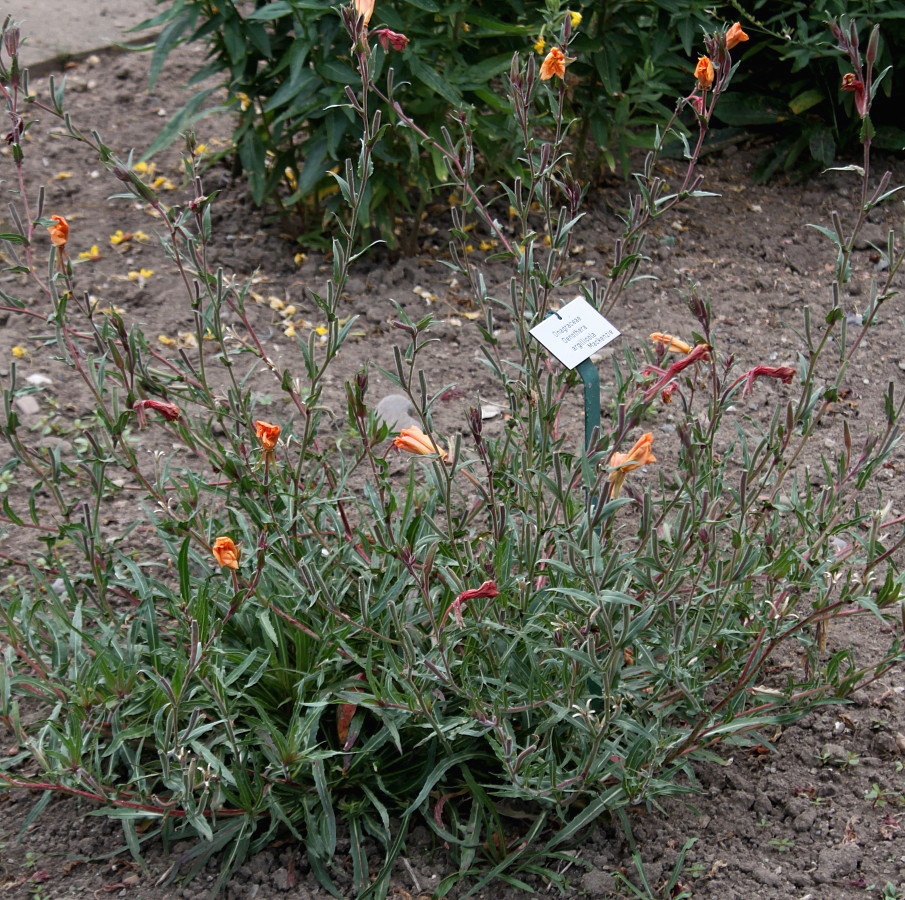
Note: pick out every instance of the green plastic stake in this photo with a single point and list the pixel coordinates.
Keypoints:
(587, 371)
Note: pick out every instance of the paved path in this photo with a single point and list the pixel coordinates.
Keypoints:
(56, 30)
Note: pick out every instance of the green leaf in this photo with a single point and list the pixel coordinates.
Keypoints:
(275, 10)
(805, 101)
(166, 41)
(436, 774)
(432, 80)
(183, 120)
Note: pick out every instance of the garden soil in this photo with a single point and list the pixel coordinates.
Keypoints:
(819, 811)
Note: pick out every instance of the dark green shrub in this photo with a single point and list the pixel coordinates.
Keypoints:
(286, 65)
(790, 83)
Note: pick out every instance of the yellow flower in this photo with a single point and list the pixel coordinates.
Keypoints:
(539, 45)
(576, 18)
(276, 303)
(141, 275)
(166, 341)
(93, 253)
(201, 148)
(321, 330)
(143, 168)
(161, 183)
(289, 331)
(60, 176)
(244, 101)
(299, 258)
(119, 236)
(19, 352)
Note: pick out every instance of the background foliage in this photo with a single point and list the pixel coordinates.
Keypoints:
(286, 65)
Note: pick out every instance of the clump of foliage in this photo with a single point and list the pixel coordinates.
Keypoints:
(306, 644)
(287, 65)
(791, 87)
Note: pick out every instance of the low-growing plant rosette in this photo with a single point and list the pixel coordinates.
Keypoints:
(311, 645)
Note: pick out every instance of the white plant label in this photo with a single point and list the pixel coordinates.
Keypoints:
(575, 332)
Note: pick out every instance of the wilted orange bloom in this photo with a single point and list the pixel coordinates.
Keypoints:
(59, 233)
(704, 72)
(226, 553)
(267, 435)
(365, 8)
(622, 463)
(414, 440)
(554, 64)
(672, 343)
(735, 35)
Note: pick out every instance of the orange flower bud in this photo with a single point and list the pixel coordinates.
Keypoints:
(554, 64)
(622, 463)
(704, 72)
(735, 35)
(226, 553)
(59, 233)
(672, 343)
(414, 440)
(267, 435)
(365, 8)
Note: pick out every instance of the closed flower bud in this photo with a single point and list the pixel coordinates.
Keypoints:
(226, 553)
(735, 35)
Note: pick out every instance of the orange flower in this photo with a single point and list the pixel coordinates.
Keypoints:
(673, 344)
(226, 553)
(414, 440)
(735, 35)
(622, 463)
(267, 435)
(365, 8)
(554, 64)
(704, 72)
(59, 233)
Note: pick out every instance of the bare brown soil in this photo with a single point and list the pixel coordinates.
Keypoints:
(819, 813)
